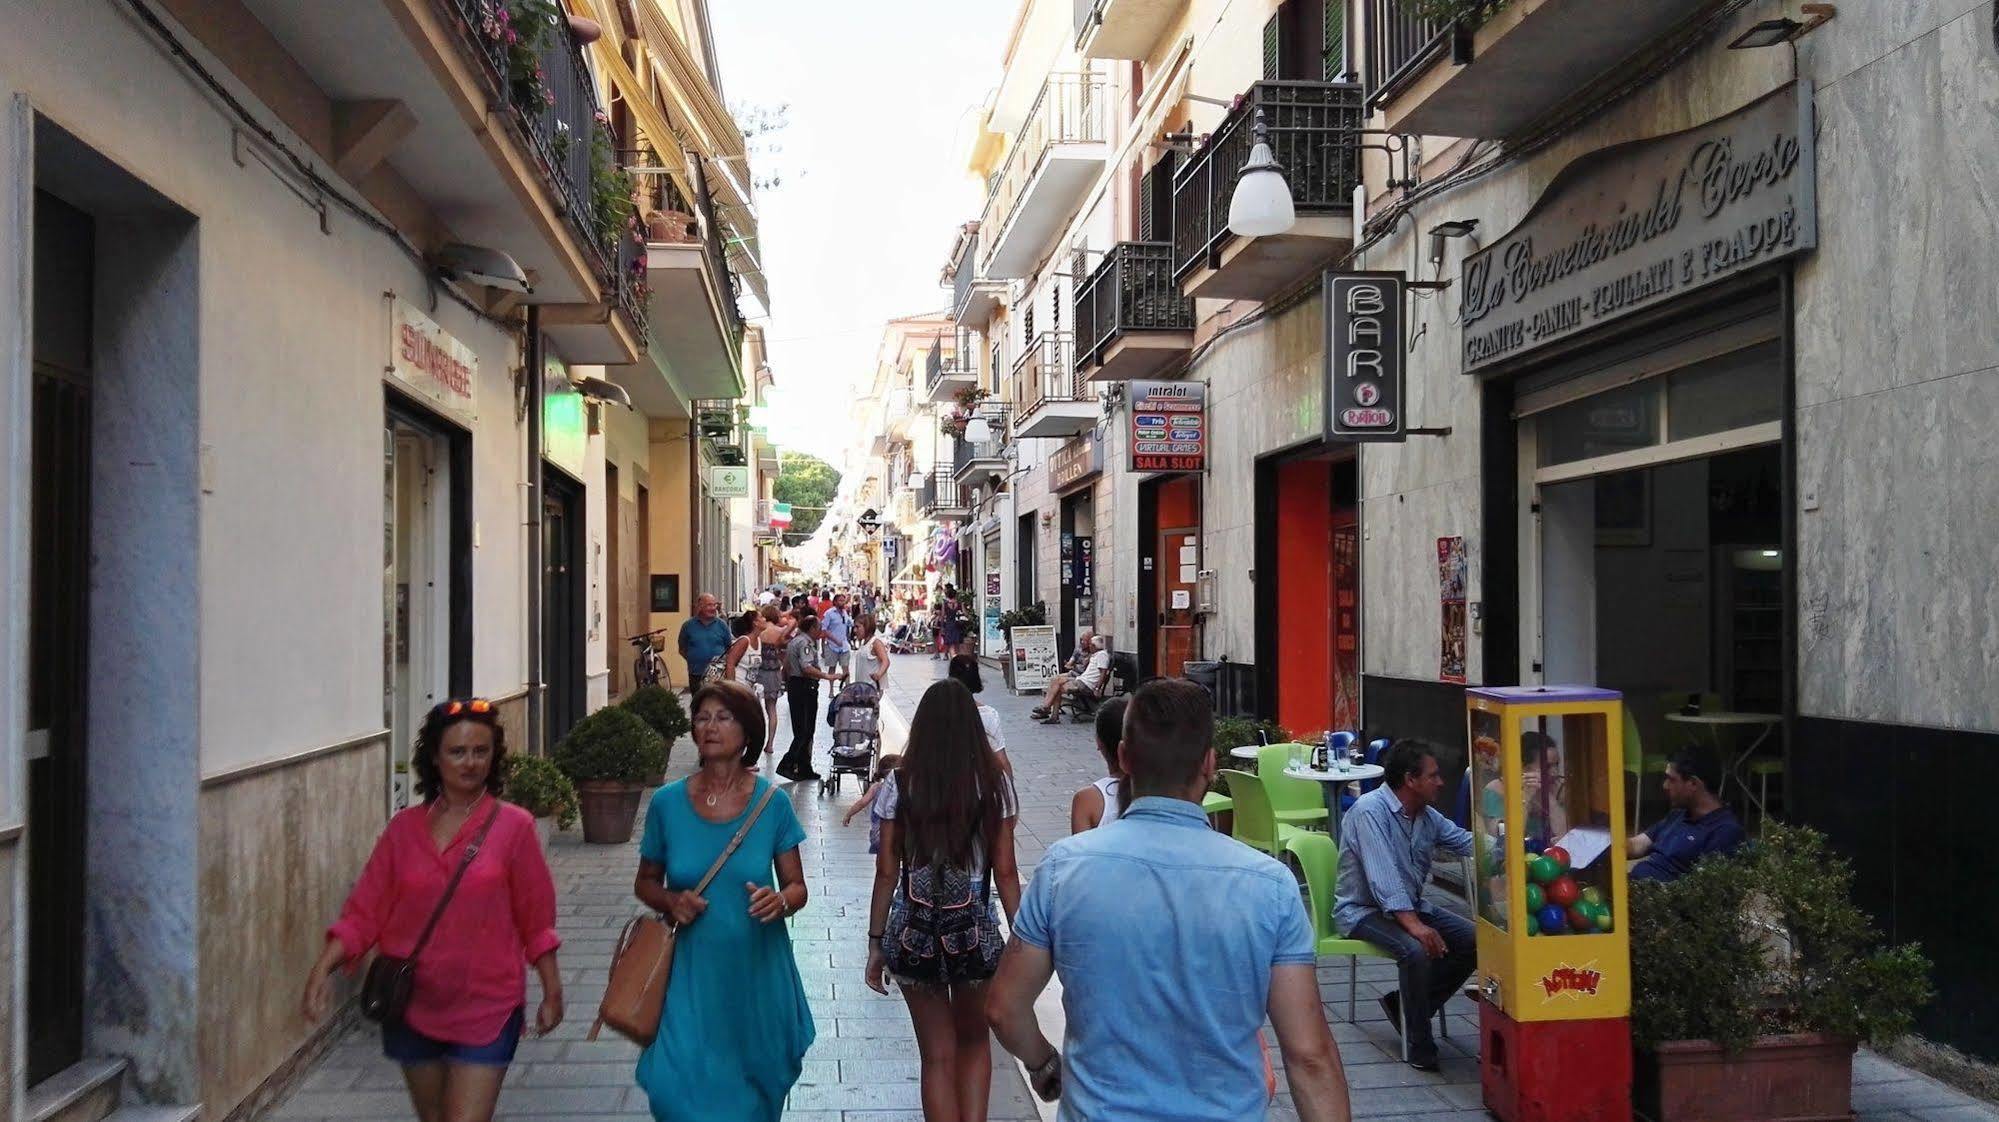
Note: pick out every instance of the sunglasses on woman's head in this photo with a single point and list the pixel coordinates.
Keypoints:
(477, 705)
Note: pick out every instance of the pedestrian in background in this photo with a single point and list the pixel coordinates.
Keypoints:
(736, 1025)
(870, 653)
(802, 676)
(946, 842)
(744, 629)
(1174, 943)
(772, 634)
(1104, 799)
(951, 622)
(704, 637)
(467, 1006)
(964, 669)
(888, 762)
(835, 633)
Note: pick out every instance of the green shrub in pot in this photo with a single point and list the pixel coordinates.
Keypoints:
(660, 708)
(611, 745)
(536, 785)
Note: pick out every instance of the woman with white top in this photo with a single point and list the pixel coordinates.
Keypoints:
(870, 652)
(965, 670)
(1104, 799)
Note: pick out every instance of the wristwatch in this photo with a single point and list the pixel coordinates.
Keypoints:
(1054, 1060)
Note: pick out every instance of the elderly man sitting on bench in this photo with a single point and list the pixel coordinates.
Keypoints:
(1094, 676)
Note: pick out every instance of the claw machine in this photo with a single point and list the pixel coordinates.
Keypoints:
(1554, 961)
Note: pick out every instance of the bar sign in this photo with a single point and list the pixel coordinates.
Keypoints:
(1365, 359)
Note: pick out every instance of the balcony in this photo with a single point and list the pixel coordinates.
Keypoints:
(950, 370)
(1057, 155)
(422, 87)
(696, 340)
(1531, 59)
(1313, 135)
(1050, 398)
(1131, 321)
(720, 428)
(973, 294)
(1124, 29)
(900, 408)
(975, 463)
(940, 496)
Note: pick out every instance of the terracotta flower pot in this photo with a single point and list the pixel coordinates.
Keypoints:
(1796, 1078)
(585, 29)
(608, 810)
(671, 226)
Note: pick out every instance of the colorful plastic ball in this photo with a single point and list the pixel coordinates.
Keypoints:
(1562, 890)
(1541, 870)
(1602, 921)
(1533, 925)
(1536, 845)
(1560, 856)
(1593, 896)
(1534, 898)
(1554, 920)
(1580, 918)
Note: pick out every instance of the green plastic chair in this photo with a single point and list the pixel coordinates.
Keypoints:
(1641, 765)
(1214, 802)
(1256, 825)
(1319, 859)
(1295, 802)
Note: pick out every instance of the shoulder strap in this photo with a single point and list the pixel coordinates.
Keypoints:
(742, 832)
(458, 874)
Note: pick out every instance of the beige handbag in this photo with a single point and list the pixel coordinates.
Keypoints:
(643, 961)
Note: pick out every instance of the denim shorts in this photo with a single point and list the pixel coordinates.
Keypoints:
(407, 1046)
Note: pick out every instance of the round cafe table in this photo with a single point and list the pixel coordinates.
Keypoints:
(1715, 722)
(1333, 782)
(1246, 752)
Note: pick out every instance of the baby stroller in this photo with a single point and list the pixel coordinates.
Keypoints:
(856, 735)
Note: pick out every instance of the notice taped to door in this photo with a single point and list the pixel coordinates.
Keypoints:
(1035, 657)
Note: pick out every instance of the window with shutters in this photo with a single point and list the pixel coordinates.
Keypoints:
(1055, 307)
(1334, 66)
(1297, 41)
(1155, 201)
(1026, 325)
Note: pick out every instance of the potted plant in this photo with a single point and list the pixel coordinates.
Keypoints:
(1754, 978)
(608, 755)
(537, 786)
(660, 708)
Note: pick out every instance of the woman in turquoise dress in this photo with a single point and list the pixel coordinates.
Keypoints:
(736, 1027)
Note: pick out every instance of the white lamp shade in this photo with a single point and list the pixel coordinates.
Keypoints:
(978, 431)
(917, 479)
(1261, 205)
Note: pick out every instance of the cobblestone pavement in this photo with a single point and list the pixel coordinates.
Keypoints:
(863, 1067)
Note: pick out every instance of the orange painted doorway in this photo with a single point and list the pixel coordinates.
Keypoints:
(1178, 552)
(1318, 597)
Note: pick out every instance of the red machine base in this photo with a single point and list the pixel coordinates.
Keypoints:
(1554, 1071)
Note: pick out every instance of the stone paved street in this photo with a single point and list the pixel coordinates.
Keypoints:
(863, 1067)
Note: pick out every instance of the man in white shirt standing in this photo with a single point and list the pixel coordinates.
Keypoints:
(1095, 676)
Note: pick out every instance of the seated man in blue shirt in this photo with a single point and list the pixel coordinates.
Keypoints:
(1174, 943)
(1385, 846)
(1698, 824)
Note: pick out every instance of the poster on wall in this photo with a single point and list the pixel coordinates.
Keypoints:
(1451, 590)
(1346, 629)
(1086, 581)
(992, 640)
(1035, 659)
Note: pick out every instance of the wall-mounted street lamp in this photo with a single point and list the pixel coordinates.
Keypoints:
(1783, 29)
(1443, 231)
(1261, 205)
(978, 430)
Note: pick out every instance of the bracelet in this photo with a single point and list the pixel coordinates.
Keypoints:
(1054, 1059)
(874, 936)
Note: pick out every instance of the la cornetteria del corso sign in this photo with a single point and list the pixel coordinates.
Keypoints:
(1635, 224)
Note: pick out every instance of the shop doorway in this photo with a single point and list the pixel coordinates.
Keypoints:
(1308, 614)
(426, 516)
(1653, 555)
(562, 602)
(58, 634)
(1078, 569)
(614, 584)
(1026, 551)
(1169, 517)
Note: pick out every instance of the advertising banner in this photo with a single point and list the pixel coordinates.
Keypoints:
(431, 362)
(1366, 362)
(728, 481)
(1035, 658)
(1169, 426)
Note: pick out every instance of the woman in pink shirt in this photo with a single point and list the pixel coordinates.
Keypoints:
(467, 1007)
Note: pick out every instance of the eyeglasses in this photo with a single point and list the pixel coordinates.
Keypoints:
(477, 705)
(714, 716)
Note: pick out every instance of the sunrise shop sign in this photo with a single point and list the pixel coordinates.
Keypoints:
(428, 361)
(1636, 224)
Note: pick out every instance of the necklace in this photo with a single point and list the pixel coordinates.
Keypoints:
(712, 797)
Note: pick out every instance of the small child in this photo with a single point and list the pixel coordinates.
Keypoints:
(883, 766)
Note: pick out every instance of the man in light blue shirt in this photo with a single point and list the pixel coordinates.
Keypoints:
(1385, 844)
(835, 631)
(1174, 942)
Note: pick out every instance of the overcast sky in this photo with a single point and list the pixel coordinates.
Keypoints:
(884, 95)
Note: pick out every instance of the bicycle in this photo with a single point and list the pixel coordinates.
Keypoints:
(649, 669)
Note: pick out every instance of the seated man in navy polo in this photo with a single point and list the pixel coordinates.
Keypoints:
(1698, 824)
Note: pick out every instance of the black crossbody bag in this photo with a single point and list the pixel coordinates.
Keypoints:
(386, 988)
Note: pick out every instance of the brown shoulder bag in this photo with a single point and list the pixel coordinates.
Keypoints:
(386, 987)
(643, 961)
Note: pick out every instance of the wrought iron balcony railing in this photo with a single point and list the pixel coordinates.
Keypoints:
(629, 280)
(940, 492)
(998, 420)
(1314, 135)
(1071, 109)
(1399, 46)
(1046, 373)
(966, 272)
(1132, 290)
(957, 361)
